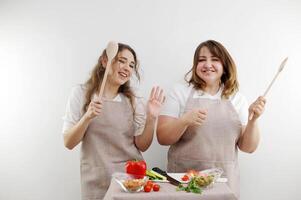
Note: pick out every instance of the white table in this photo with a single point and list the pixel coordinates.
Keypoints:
(219, 191)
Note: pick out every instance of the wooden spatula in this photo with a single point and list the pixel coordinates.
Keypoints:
(111, 50)
(268, 89)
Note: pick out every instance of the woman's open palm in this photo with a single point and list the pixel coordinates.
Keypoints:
(155, 101)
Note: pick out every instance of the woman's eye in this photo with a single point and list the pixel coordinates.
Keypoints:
(201, 60)
(215, 59)
(132, 66)
(121, 61)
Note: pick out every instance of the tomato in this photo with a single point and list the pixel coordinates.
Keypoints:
(192, 173)
(185, 178)
(136, 167)
(156, 187)
(149, 182)
(147, 188)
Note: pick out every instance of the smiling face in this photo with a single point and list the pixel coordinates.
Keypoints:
(209, 67)
(122, 68)
(212, 66)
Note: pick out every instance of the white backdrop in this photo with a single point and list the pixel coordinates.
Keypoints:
(48, 47)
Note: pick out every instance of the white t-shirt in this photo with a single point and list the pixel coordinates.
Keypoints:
(75, 103)
(177, 98)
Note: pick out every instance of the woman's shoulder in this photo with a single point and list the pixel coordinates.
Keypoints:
(136, 95)
(181, 89)
(139, 102)
(78, 91)
(240, 104)
(182, 86)
(178, 95)
(238, 98)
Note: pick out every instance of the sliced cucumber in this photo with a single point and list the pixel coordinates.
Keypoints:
(154, 175)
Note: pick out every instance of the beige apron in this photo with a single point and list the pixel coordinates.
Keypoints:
(213, 144)
(108, 143)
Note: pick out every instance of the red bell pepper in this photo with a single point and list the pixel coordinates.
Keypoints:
(136, 167)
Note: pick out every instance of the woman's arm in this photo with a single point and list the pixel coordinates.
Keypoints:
(250, 136)
(74, 135)
(170, 129)
(154, 105)
(144, 140)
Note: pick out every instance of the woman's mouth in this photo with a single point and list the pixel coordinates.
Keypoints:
(208, 70)
(123, 74)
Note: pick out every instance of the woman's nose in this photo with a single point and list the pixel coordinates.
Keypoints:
(207, 64)
(127, 67)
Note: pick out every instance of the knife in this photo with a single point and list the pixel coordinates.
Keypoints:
(169, 178)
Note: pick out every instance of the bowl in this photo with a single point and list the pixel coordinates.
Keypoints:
(208, 177)
(130, 183)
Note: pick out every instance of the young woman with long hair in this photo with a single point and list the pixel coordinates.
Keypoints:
(114, 129)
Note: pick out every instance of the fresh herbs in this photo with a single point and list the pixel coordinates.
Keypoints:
(191, 187)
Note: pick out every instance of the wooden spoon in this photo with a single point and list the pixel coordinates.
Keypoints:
(111, 51)
(268, 89)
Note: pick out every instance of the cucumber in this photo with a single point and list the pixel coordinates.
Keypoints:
(154, 175)
(150, 175)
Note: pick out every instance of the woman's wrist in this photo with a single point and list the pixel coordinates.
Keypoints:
(252, 122)
(151, 118)
(183, 121)
(86, 118)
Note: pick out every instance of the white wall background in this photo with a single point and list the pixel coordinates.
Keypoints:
(46, 47)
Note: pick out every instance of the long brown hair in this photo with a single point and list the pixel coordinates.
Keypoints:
(229, 77)
(93, 83)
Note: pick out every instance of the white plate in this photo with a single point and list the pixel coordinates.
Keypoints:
(178, 176)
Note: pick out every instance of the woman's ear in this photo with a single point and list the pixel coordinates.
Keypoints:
(104, 61)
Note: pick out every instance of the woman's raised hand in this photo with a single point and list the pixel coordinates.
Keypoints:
(155, 102)
(257, 107)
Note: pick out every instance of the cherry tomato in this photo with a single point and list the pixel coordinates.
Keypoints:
(147, 188)
(149, 182)
(192, 172)
(185, 178)
(156, 187)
